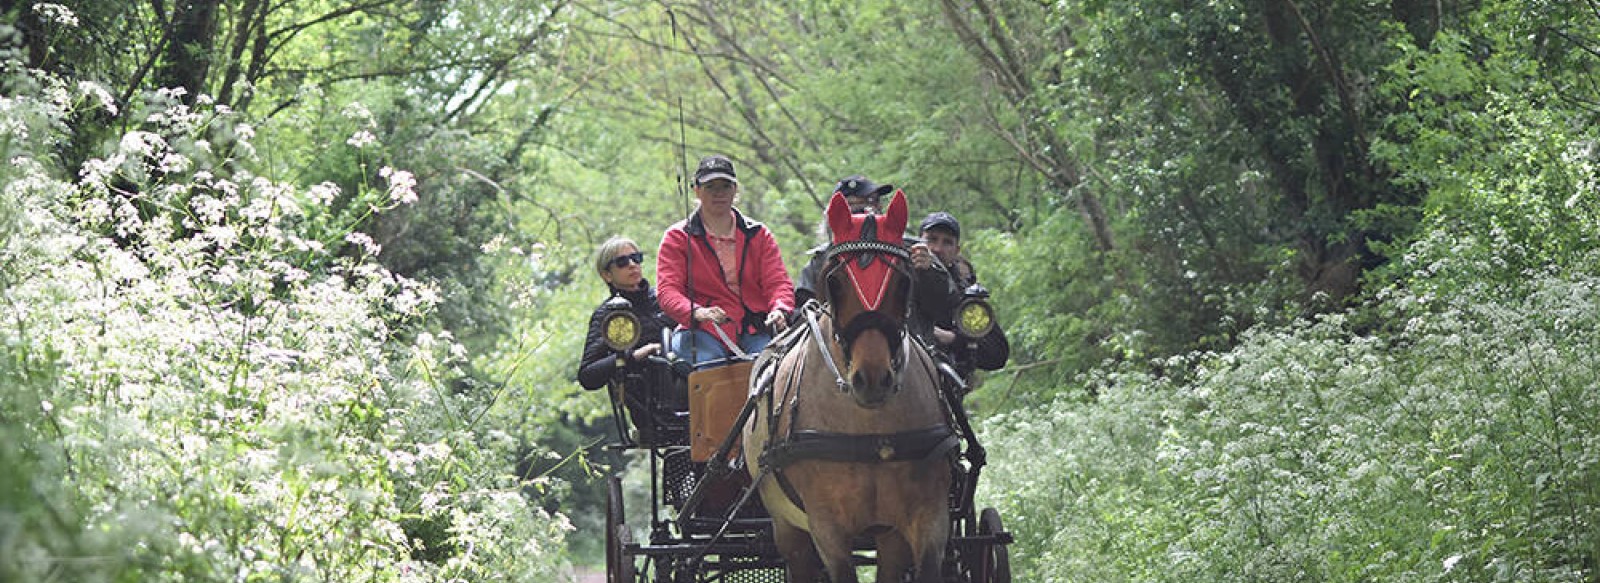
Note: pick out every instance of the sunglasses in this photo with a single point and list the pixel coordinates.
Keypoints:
(634, 258)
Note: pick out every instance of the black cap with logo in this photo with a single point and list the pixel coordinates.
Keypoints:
(715, 167)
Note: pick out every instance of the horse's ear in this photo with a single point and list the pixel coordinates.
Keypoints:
(838, 215)
(895, 220)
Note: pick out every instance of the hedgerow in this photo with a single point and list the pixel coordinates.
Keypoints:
(1461, 445)
(208, 377)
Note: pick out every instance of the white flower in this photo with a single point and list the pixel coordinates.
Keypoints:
(96, 170)
(128, 221)
(259, 209)
(358, 112)
(323, 193)
(174, 162)
(401, 461)
(94, 90)
(227, 187)
(405, 302)
(12, 125)
(306, 245)
(402, 185)
(207, 208)
(142, 144)
(225, 275)
(95, 210)
(361, 139)
(364, 241)
(56, 13)
(224, 236)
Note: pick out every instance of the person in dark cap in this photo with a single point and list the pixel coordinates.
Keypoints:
(863, 195)
(720, 274)
(941, 237)
(944, 275)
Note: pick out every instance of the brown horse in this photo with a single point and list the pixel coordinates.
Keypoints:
(852, 436)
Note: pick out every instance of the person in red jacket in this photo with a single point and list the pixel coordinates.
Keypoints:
(720, 274)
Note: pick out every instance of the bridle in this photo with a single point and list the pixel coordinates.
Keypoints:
(863, 252)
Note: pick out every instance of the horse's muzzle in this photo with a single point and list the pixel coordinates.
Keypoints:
(871, 389)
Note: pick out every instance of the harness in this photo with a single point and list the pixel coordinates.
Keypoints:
(811, 444)
(871, 284)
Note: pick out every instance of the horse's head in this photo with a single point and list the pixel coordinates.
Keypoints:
(866, 281)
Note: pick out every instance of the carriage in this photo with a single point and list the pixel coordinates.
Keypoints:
(709, 518)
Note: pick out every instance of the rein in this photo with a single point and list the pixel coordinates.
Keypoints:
(827, 355)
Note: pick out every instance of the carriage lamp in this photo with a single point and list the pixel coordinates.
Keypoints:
(974, 315)
(620, 329)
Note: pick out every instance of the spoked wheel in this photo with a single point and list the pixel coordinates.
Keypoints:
(993, 562)
(619, 566)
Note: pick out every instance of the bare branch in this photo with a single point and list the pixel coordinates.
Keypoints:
(1014, 87)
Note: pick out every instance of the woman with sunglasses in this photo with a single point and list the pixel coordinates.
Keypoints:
(621, 265)
(722, 275)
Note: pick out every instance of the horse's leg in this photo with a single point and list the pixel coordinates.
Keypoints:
(928, 547)
(834, 546)
(930, 563)
(800, 556)
(894, 556)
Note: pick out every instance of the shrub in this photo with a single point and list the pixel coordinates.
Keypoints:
(1461, 447)
(201, 387)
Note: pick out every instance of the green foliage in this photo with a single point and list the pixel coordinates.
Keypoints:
(200, 388)
(1459, 448)
(1511, 177)
(327, 326)
(1439, 431)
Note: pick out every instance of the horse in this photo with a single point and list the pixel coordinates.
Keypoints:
(857, 452)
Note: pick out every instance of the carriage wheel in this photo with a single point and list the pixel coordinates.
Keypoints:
(993, 563)
(619, 566)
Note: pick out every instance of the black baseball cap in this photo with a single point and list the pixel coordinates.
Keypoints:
(861, 187)
(943, 220)
(715, 167)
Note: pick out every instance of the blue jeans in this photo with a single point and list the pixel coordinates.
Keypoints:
(700, 347)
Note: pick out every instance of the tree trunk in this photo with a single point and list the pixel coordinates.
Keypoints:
(188, 57)
(252, 16)
(32, 30)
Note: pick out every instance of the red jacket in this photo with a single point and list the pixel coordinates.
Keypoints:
(686, 253)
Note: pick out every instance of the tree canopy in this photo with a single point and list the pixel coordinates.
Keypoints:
(1296, 289)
